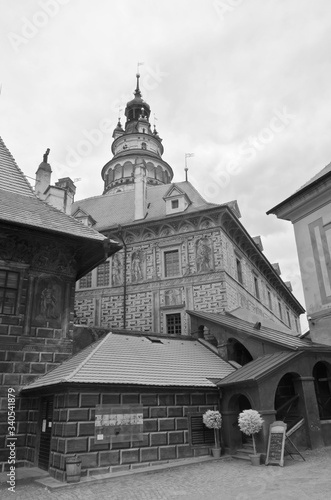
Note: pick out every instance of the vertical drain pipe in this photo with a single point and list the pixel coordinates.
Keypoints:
(120, 233)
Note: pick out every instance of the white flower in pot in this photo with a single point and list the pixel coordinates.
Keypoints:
(250, 423)
(213, 420)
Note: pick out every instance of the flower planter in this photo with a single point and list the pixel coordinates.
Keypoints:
(216, 452)
(255, 459)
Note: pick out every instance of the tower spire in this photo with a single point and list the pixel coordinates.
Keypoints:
(137, 92)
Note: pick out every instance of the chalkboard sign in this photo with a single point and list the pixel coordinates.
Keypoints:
(276, 443)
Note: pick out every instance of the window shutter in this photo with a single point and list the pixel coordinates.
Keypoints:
(200, 434)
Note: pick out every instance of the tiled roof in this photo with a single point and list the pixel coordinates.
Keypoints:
(12, 178)
(32, 212)
(109, 210)
(136, 360)
(19, 205)
(259, 368)
(264, 334)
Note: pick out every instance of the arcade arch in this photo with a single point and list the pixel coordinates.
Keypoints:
(322, 382)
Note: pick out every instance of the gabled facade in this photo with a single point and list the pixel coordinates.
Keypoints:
(179, 251)
(309, 210)
(43, 252)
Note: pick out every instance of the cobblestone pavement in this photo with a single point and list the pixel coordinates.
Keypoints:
(226, 479)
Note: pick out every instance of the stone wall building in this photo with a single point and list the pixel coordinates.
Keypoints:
(179, 251)
(43, 252)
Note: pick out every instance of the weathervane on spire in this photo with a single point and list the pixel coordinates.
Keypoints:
(187, 155)
(137, 91)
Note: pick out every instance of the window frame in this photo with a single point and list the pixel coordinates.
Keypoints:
(280, 310)
(239, 270)
(5, 288)
(90, 275)
(103, 274)
(173, 313)
(257, 293)
(168, 250)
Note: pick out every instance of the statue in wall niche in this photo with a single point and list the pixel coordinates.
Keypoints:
(116, 270)
(48, 303)
(173, 297)
(203, 255)
(137, 266)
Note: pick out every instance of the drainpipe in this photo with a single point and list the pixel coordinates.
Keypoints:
(120, 233)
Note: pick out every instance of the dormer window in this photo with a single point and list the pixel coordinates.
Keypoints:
(176, 200)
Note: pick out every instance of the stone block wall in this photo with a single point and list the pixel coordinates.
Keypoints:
(30, 346)
(22, 359)
(165, 428)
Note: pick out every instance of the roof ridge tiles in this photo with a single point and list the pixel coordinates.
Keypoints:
(85, 360)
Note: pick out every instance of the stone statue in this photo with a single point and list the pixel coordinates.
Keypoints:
(45, 157)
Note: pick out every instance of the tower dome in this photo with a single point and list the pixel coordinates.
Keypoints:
(136, 140)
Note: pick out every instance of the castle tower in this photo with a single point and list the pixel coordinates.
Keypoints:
(135, 142)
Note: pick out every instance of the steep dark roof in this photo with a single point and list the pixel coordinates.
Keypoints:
(12, 178)
(265, 334)
(140, 360)
(109, 210)
(19, 205)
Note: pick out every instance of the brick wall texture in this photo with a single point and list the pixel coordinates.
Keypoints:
(165, 429)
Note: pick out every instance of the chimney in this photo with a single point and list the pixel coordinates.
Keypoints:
(69, 193)
(43, 177)
(140, 189)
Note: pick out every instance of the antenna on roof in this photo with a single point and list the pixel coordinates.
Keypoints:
(187, 155)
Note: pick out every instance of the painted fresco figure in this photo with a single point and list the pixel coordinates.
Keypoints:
(203, 255)
(116, 270)
(137, 274)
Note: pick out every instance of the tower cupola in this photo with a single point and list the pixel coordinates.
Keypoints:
(136, 140)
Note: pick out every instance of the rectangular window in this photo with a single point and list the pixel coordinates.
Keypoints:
(256, 287)
(86, 281)
(199, 434)
(288, 317)
(296, 325)
(103, 274)
(171, 263)
(174, 203)
(239, 271)
(8, 291)
(280, 310)
(269, 299)
(174, 324)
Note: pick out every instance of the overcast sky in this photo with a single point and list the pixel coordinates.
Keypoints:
(242, 84)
